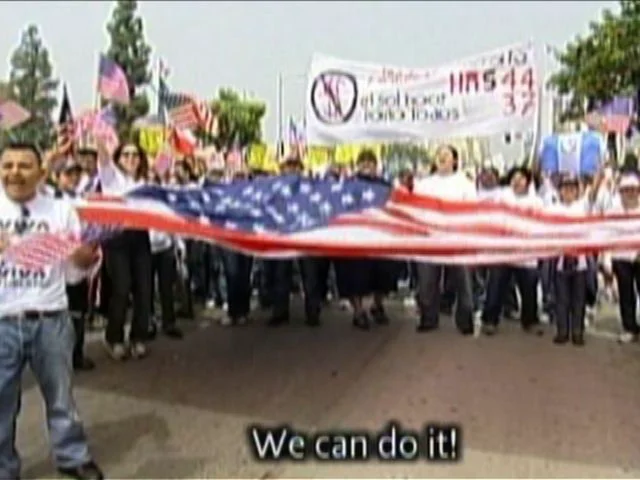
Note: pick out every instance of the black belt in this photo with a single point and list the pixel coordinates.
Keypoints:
(32, 315)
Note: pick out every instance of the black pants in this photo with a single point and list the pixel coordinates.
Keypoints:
(198, 266)
(548, 274)
(628, 277)
(448, 291)
(571, 292)
(281, 271)
(359, 277)
(129, 267)
(100, 289)
(164, 272)
(237, 270)
(215, 270)
(428, 294)
(499, 280)
(263, 281)
(78, 297)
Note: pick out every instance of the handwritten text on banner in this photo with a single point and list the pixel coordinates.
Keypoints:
(355, 102)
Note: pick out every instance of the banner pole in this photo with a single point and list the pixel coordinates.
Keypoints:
(96, 92)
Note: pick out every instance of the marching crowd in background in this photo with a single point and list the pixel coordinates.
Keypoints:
(44, 313)
(187, 273)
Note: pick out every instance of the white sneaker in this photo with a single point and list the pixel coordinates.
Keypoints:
(138, 350)
(225, 306)
(226, 321)
(211, 304)
(627, 337)
(409, 302)
(544, 318)
(589, 317)
(117, 351)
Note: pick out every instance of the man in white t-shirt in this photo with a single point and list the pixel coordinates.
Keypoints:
(35, 326)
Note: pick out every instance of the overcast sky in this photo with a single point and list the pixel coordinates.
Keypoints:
(246, 45)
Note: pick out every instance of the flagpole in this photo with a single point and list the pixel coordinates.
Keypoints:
(279, 114)
(96, 92)
(537, 119)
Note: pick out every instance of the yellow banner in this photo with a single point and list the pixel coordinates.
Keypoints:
(270, 163)
(152, 139)
(316, 158)
(347, 154)
(256, 157)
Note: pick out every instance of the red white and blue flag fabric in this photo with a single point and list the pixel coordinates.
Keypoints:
(290, 216)
(112, 81)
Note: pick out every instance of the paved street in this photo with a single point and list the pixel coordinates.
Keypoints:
(528, 408)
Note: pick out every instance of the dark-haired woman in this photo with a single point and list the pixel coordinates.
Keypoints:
(358, 278)
(127, 258)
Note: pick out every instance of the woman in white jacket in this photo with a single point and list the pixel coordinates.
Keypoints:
(127, 257)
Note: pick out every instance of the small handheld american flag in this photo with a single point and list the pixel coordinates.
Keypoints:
(40, 250)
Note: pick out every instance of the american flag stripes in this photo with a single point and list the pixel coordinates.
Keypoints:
(40, 250)
(207, 119)
(112, 81)
(100, 125)
(185, 111)
(183, 141)
(180, 107)
(279, 217)
(297, 138)
(12, 114)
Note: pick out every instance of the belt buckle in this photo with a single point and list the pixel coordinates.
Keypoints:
(31, 316)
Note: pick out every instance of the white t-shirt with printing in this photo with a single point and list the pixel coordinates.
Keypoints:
(43, 289)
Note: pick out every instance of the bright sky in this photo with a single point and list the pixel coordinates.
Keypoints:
(246, 45)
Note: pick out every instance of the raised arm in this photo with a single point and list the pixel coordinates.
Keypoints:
(111, 178)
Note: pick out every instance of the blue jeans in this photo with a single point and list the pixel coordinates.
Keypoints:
(46, 344)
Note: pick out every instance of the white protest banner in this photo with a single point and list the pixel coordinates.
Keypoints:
(351, 102)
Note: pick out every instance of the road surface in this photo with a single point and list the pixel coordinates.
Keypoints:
(527, 408)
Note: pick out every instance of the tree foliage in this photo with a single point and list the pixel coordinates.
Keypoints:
(5, 91)
(239, 119)
(405, 155)
(32, 85)
(605, 62)
(128, 48)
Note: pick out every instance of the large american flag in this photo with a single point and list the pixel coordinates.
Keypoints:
(290, 216)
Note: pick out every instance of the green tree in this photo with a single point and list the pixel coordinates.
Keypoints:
(5, 90)
(239, 119)
(128, 48)
(32, 85)
(604, 63)
(398, 156)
